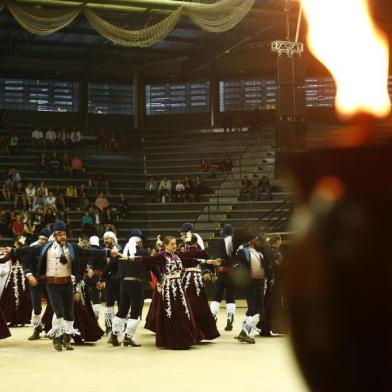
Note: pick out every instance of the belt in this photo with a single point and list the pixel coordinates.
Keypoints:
(174, 275)
(132, 278)
(61, 280)
(196, 269)
(98, 273)
(41, 277)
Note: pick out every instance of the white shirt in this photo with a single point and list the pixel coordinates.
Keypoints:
(54, 268)
(229, 245)
(37, 134)
(51, 200)
(50, 135)
(73, 137)
(30, 192)
(78, 136)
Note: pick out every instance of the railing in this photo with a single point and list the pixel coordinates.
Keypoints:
(273, 219)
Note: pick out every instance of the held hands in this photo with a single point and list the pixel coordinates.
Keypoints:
(5, 250)
(101, 285)
(115, 253)
(32, 281)
(215, 262)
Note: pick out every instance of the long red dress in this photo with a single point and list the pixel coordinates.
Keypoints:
(193, 284)
(175, 324)
(15, 302)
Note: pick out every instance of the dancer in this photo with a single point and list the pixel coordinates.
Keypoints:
(15, 302)
(132, 275)
(4, 272)
(175, 324)
(224, 286)
(254, 271)
(59, 259)
(188, 228)
(37, 283)
(194, 289)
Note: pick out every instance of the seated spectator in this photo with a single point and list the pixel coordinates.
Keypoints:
(50, 138)
(55, 164)
(151, 189)
(42, 164)
(4, 145)
(123, 206)
(227, 165)
(75, 139)
(215, 167)
(13, 178)
(6, 192)
(17, 226)
(71, 195)
(101, 183)
(103, 140)
(107, 220)
(29, 230)
(37, 138)
(39, 200)
(14, 143)
(61, 204)
(20, 196)
(77, 166)
(43, 188)
(189, 189)
(51, 201)
(199, 188)
(30, 193)
(4, 223)
(63, 138)
(263, 189)
(246, 188)
(66, 165)
(87, 224)
(101, 202)
(78, 139)
(179, 191)
(164, 190)
(204, 165)
(97, 220)
(38, 219)
(83, 202)
(82, 189)
(123, 141)
(49, 217)
(112, 142)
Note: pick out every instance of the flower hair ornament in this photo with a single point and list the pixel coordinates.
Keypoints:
(21, 240)
(188, 237)
(159, 242)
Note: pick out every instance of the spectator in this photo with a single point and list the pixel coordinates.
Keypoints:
(112, 142)
(179, 191)
(50, 138)
(107, 221)
(20, 196)
(103, 140)
(189, 189)
(238, 122)
(13, 178)
(42, 164)
(71, 195)
(101, 183)
(199, 188)
(83, 202)
(77, 166)
(6, 192)
(204, 165)
(14, 143)
(263, 189)
(29, 230)
(123, 141)
(30, 193)
(75, 139)
(123, 206)
(17, 226)
(4, 223)
(87, 224)
(39, 200)
(43, 188)
(49, 217)
(101, 202)
(151, 189)
(38, 219)
(164, 190)
(61, 205)
(55, 164)
(78, 139)
(37, 138)
(227, 165)
(97, 220)
(246, 188)
(51, 201)
(82, 189)
(4, 145)
(63, 138)
(66, 165)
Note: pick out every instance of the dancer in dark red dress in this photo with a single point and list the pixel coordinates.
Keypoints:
(175, 324)
(193, 284)
(15, 302)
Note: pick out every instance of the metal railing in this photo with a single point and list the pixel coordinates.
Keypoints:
(273, 219)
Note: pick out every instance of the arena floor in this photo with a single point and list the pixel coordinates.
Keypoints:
(224, 365)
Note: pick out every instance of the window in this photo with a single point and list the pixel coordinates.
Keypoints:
(109, 98)
(39, 95)
(173, 98)
(239, 95)
(320, 91)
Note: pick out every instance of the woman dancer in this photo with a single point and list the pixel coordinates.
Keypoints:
(192, 282)
(175, 324)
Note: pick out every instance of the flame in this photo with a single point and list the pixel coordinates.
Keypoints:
(343, 36)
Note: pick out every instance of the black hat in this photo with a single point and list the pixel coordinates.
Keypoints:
(59, 225)
(136, 233)
(45, 232)
(186, 227)
(226, 230)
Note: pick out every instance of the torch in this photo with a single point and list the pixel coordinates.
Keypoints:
(339, 278)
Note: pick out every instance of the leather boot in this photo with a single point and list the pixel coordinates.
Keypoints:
(57, 343)
(229, 325)
(36, 332)
(245, 338)
(67, 342)
(113, 340)
(128, 341)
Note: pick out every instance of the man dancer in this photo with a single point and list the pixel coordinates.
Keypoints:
(112, 284)
(38, 286)
(58, 260)
(224, 286)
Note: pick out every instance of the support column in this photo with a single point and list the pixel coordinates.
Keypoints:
(139, 100)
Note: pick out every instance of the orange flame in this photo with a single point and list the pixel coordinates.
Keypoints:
(343, 36)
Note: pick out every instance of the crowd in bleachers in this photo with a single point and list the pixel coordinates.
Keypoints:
(216, 165)
(255, 192)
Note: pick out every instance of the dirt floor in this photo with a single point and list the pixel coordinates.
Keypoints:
(224, 365)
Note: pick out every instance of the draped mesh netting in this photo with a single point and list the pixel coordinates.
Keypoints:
(133, 29)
